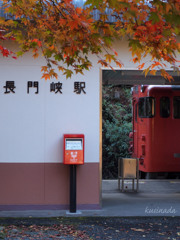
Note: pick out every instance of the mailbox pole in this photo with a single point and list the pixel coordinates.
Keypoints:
(73, 188)
(73, 155)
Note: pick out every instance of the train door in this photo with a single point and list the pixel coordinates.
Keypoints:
(139, 126)
(140, 122)
(142, 127)
(135, 128)
(145, 121)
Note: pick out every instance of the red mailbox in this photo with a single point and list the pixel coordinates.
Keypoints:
(74, 149)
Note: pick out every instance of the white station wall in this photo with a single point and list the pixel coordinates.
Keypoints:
(32, 125)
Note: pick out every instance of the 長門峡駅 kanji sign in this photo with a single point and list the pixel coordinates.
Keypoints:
(33, 87)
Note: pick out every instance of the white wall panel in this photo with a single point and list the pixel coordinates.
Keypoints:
(32, 125)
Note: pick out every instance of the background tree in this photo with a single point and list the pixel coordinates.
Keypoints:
(66, 34)
(3, 50)
(150, 27)
(117, 124)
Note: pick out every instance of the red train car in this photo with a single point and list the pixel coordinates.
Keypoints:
(156, 129)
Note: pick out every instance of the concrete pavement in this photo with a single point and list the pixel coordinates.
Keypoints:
(155, 198)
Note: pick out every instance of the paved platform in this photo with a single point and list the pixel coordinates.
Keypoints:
(155, 198)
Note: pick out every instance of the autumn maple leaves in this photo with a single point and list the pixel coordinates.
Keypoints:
(67, 35)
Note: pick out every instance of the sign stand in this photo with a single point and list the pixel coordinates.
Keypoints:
(73, 188)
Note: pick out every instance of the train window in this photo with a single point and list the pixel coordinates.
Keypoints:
(146, 107)
(176, 105)
(164, 107)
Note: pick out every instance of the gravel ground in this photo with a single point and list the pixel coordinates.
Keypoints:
(90, 228)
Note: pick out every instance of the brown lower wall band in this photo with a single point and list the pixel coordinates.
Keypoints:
(47, 184)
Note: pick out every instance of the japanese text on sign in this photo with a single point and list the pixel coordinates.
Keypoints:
(33, 87)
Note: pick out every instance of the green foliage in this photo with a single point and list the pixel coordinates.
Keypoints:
(117, 125)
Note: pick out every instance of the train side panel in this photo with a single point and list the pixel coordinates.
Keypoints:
(156, 138)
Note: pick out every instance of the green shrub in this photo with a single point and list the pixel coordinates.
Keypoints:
(117, 123)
